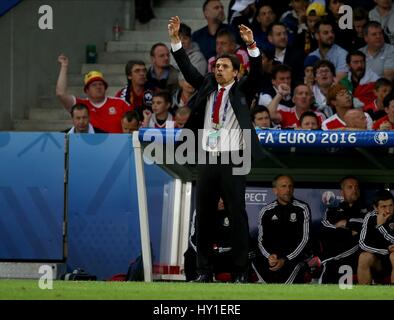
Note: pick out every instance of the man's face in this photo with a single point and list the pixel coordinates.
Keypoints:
(81, 120)
(357, 66)
(355, 118)
(262, 120)
(334, 6)
(384, 4)
(385, 208)
(309, 123)
(266, 16)
(302, 97)
(325, 36)
(138, 75)
(186, 41)
(374, 38)
(224, 45)
(343, 100)
(129, 126)
(278, 37)
(324, 77)
(382, 92)
(161, 57)
(359, 26)
(350, 190)
(282, 78)
(284, 190)
(224, 71)
(96, 90)
(214, 10)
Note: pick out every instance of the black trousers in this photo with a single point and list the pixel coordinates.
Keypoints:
(215, 181)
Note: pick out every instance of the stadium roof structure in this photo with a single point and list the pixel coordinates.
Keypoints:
(309, 156)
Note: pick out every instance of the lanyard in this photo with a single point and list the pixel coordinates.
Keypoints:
(217, 126)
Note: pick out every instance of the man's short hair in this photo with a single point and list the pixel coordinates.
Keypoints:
(258, 109)
(323, 22)
(79, 106)
(158, 44)
(352, 177)
(371, 24)
(280, 68)
(130, 64)
(232, 57)
(184, 111)
(382, 195)
(354, 53)
(131, 115)
(309, 113)
(275, 181)
(387, 99)
(359, 14)
(323, 63)
(185, 30)
(226, 33)
(270, 28)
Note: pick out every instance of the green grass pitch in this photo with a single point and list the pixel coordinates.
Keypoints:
(63, 290)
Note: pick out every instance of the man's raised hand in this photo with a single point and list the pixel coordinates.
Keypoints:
(246, 34)
(63, 60)
(173, 29)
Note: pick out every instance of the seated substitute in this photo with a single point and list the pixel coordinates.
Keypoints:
(341, 231)
(81, 120)
(283, 236)
(377, 241)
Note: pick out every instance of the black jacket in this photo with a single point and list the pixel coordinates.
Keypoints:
(284, 229)
(241, 94)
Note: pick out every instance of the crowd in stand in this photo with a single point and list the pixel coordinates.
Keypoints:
(310, 65)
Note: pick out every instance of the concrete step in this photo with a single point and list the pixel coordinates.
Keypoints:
(182, 12)
(106, 68)
(145, 46)
(78, 90)
(112, 79)
(49, 114)
(123, 57)
(140, 36)
(194, 23)
(49, 102)
(40, 125)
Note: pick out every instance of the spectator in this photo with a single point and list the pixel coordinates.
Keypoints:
(225, 43)
(377, 241)
(80, 118)
(260, 117)
(160, 117)
(309, 78)
(290, 117)
(105, 112)
(184, 96)
(192, 50)
(137, 93)
(340, 99)
(386, 122)
(381, 89)
(380, 55)
(281, 80)
(324, 73)
(265, 16)
(309, 121)
(341, 231)
(360, 19)
(359, 81)
(162, 75)
(382, 13)
(181, 117)
(206, 36)
(355, 119)
(305, 38)
(277, 36)
(328, 50)
(283, 235)
(243, 13)
(294, 19)
(130, 122)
